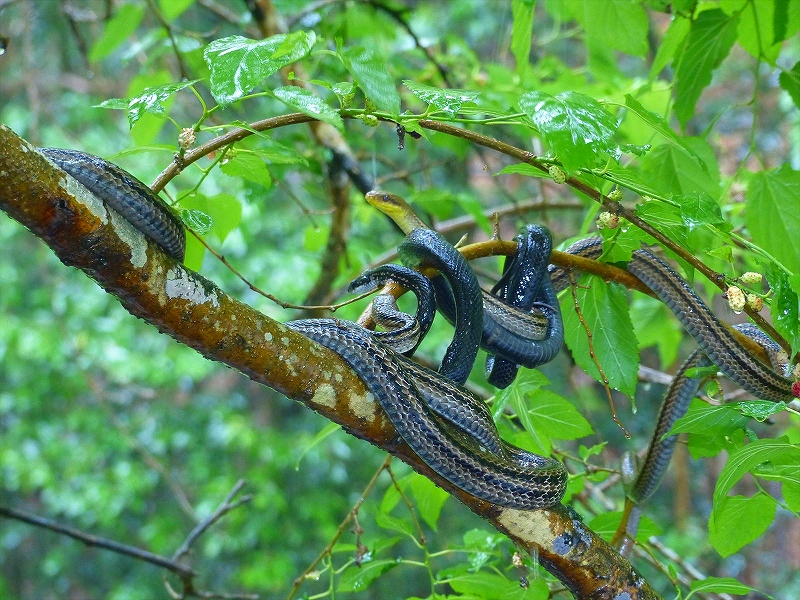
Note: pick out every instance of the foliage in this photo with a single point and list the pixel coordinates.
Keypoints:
(109, 426)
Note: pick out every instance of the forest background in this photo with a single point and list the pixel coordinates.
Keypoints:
(114, 429)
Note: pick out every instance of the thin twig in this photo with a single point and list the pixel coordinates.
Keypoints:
(91, 540)
(224, 508)
(410, 507)
(268, 296)
(340, 530)
(573, 286)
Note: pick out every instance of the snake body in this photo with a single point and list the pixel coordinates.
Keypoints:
(125, 194)
(717, 346)
(715, 340)
(511, 329)
(453, 435)
(404, 332)
(424, 247)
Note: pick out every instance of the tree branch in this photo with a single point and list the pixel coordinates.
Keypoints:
(194, 311)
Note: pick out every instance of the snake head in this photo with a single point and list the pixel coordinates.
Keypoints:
(397, 209)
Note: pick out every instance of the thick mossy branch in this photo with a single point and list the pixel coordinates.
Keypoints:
(194, 311)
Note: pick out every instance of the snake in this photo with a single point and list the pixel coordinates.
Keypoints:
(447, 426)
(528, 331)
(128, 196)
(716, 346)
(404, 332)
(521, 286)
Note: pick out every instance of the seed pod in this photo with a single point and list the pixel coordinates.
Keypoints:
(187, 138)
(755, 302)
(557, 174)
(736, 299)
(607, 220)
(751, 277)
(370, 120)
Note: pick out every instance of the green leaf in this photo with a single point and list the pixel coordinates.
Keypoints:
(718, 585)
(224, 209)
(521, 33)
(198, 221)
(678, 170)
(446, 100)
(755, 31)
(710, 38)
(147, 128)
(309, 104)
(628, 178)
(698, 209)
(276, 153)
(516, 397)
(239, 64)
(709, 420)
(490, 586)
(430, 499)
(778, 452)
(556, 415)
(358, 579)
(772, 216)
(618, 24)
(760, 410)
(482, 540)
(605, 310)
(779, 18)
(387, 521)
(372, 75)
(523, 169)
(172, 9)
(113, 104)
(791, 495)
(785, 306)
(576, 127)
(668, 219)
(117, 30)
(737, 521)
(242, 164)
(150, 100)
(654, 326)
(585, 452)
(790, 81)
(671, 45)
(657, 123)
(706, 446)
(526, 382)
(606, 524)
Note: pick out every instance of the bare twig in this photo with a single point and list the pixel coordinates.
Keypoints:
(341, 529)
(92, 540)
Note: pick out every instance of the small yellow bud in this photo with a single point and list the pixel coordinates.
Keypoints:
(615, 195)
